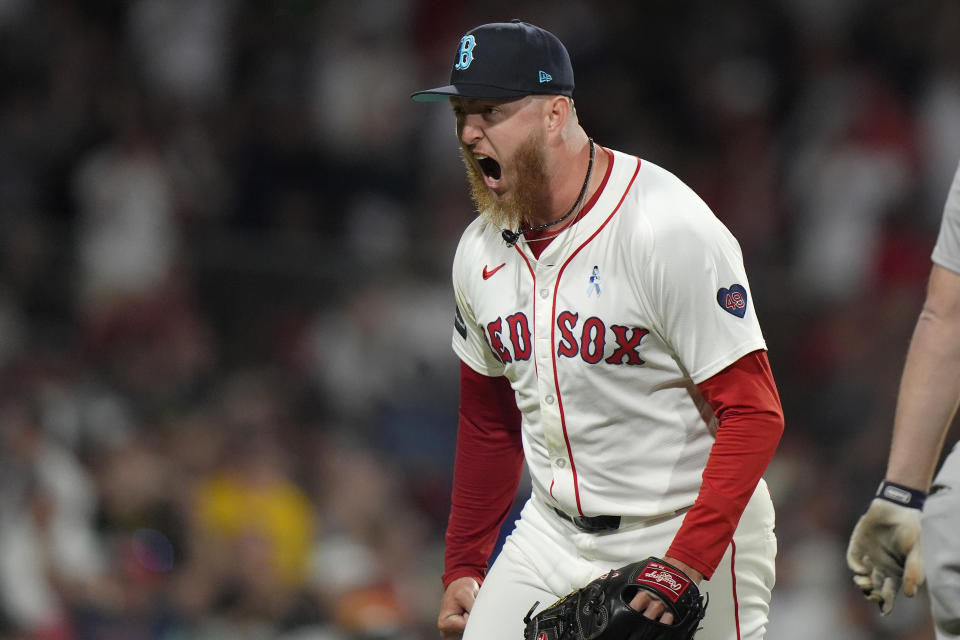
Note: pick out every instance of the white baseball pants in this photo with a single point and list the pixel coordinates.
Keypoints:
(546, 557)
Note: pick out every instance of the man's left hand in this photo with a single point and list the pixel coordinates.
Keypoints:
(653, 607)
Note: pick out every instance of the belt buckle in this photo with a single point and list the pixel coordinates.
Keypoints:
(597, 524)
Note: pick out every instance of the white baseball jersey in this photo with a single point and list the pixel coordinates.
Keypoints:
(605, 336)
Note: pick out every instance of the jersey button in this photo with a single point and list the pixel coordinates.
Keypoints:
(561, 463)
(548, 399)
(544, 293)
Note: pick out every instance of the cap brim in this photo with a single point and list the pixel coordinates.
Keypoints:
(465, 91)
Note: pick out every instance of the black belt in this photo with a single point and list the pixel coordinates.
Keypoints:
(594, 524)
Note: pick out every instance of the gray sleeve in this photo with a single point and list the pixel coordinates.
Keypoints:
(938, 542)
(946, 253)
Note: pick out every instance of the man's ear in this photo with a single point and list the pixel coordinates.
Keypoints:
(556, 113)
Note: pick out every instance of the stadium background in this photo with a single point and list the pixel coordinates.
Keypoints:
(227, 398)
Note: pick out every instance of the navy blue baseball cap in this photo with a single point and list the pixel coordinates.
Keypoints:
(506, 60)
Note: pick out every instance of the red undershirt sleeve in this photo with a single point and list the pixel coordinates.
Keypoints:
(745, 400)
(486, 474)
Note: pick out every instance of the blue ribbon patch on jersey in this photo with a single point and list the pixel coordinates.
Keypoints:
(733, 300)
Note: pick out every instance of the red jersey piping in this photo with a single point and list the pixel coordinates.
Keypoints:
(733, 585)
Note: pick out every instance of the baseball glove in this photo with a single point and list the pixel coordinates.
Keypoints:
(601, 610)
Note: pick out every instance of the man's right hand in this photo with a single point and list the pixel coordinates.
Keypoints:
(455, 607)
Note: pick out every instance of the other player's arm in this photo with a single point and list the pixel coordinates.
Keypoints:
(487, 472)
(884, 547)
(930, 385)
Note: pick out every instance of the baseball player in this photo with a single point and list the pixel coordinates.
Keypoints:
(646, 411)
(885, 546)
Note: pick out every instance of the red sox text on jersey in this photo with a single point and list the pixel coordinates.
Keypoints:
(589, 342)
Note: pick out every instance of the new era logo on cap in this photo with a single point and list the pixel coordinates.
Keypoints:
(506, 60)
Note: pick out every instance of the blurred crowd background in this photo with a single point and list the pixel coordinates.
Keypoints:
(227, 397)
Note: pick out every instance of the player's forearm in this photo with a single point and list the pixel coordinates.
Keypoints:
(745, 399)
(735, 467)
(487, 472)
(486, 476)
(930, 386)
(476, 514)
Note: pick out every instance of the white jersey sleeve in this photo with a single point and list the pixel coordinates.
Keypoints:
(694, 279)
(946, 252)
(469, 337)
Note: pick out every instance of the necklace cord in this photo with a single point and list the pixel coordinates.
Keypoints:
(511, 237)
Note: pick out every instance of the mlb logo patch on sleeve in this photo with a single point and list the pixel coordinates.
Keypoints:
(460, 325)
(733, 300)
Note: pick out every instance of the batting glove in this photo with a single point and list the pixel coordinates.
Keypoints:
(884, 550)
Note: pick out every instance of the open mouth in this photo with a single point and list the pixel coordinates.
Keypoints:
(489, 167)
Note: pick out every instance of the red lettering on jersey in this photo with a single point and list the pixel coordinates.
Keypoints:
(493, 330)
(592, 340)
(568, 347)
(590, 346)
(734, 301)
(520, 336)
(627, 345)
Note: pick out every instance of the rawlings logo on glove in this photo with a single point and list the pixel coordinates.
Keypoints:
(601, 610)
(657, 575)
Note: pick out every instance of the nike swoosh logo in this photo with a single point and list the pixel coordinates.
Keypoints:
(487, 272)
